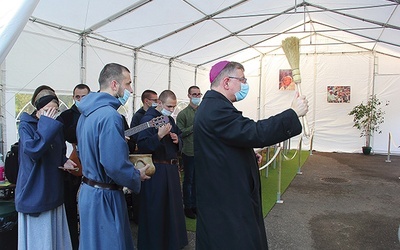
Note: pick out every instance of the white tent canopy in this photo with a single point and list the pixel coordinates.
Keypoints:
(172, 44)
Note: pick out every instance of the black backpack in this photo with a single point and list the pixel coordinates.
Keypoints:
(11, 165)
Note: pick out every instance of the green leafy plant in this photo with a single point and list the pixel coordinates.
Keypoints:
(368, 117)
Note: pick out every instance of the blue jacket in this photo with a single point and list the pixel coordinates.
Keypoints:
(41, 151)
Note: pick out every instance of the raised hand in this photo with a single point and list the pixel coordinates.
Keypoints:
(300, 105)
(50, 112)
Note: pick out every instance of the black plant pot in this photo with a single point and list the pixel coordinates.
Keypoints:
(366, 150)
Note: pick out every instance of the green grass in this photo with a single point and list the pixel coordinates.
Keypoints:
(269, 185)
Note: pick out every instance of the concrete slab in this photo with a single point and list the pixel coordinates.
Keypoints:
(342, 201)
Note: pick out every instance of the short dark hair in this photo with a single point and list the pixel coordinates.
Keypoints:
(167, 94)
(111, 71)
(147, 93)
(80, 86)
(192, 87)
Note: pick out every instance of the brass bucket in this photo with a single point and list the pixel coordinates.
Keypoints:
(141, 160)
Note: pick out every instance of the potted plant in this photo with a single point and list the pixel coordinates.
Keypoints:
(367, 118)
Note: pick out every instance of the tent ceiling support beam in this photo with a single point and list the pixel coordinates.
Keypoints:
(394, 1)
(386, 25)
(90, 32)
(192, 24)
(260, 77)
(195, 76)
(319, 31)
(83, 59)
(135, 77)
(115, 16)
(169, 73)
(297, 11)
(253, 45)
(355, 34)
(317, 44)
(126, 46)
(234, 34)
(344, 42)
(380, 35)
(54, 25)
(370, 50)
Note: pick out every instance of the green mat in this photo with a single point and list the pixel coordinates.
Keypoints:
(269, 185)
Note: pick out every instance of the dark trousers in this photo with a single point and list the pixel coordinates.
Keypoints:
(135, 207)
(71, 187)
(189, 192)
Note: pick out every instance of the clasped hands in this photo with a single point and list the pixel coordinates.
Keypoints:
(165, 130)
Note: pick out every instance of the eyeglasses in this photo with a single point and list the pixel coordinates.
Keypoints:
(197, 95)
(240, 79)
(78, 97)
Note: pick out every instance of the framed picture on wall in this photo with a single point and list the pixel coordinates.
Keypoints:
(338, 94)
(286, 80)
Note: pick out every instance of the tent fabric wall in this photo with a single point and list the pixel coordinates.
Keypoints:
(388, 89)
(60, 67)
(57, 57)
(332, 125)
(43, 55)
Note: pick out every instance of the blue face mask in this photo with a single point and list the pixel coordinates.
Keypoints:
(77, 103)
(244, 89)
(166, 112)
(196, 101)
(125, 98)
(154, 105)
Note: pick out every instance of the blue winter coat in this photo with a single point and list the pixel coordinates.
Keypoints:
(41, 152)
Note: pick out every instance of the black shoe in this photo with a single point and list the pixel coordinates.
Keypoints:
(189, 213)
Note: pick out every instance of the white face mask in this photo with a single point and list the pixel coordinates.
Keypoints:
(125, 97)
(196, 101)
(154, 105)
(166, 112)
(242, 93)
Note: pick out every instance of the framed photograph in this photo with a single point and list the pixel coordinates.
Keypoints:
(338, 94)
(286, 80)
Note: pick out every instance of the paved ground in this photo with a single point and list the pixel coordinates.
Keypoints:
(341, 201)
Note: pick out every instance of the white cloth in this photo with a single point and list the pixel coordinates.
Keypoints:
(48, 231)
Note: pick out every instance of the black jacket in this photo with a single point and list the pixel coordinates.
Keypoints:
(228, 191)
